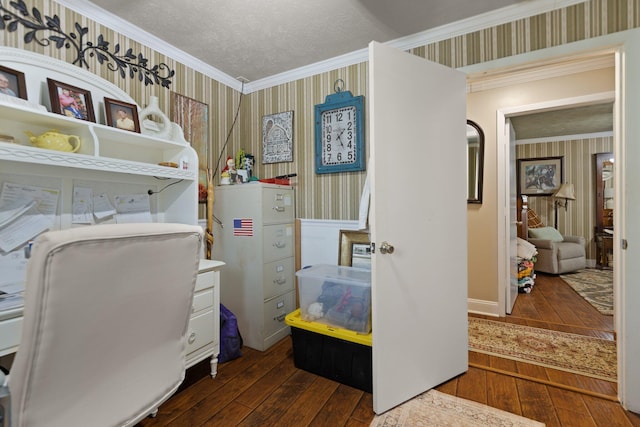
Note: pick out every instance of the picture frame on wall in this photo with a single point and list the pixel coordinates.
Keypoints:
(12, 83)
(70, 101)
(541, 176)
(277, 137)
(121, 115)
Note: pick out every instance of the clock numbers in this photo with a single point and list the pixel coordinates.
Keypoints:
(338, 131)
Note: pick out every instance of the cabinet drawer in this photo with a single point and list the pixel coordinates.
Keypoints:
(206, 280)
(10, 331)
(202, 300)
(278, 277)
(274, 312)
(200, 332)
(277, 242)
(277, 205)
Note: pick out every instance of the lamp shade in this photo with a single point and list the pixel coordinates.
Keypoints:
(566, 191)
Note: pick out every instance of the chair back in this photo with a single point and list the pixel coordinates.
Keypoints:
(105, 322)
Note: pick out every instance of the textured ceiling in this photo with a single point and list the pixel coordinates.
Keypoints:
(256, 39)
(571, 121)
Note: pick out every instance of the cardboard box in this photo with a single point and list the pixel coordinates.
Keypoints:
(336, 295)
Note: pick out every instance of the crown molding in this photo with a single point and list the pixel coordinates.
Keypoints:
(465, 26)
(597, 60)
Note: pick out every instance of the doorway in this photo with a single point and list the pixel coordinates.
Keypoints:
(560, 100)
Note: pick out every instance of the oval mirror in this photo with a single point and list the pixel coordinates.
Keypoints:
(475, 162)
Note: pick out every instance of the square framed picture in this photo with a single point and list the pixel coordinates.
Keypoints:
(277, 137)
(121, 115)
(70, 101)
(540, 176)
(12, 83)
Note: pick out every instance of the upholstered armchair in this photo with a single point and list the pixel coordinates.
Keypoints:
(557, 254)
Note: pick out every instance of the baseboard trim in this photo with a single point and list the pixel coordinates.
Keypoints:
(487, 308)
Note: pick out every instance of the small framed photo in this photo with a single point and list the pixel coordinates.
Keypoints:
(12, 83)
(121, 115)
(70, 101)
(540, 176)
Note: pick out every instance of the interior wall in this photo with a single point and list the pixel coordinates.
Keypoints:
(336, 196)
(579, 217)
(482, 106)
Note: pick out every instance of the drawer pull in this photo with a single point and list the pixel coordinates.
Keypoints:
(280, 281)
(280, 318)
(278, 208)
(192, 338)
(280, 244)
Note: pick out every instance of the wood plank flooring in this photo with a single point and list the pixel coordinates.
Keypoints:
(265, 389)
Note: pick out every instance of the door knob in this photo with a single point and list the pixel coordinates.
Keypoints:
(386, 248)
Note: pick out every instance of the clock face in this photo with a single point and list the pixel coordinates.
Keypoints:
(339, 133)
(339, 144)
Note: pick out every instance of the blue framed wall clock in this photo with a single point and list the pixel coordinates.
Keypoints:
(339, 129)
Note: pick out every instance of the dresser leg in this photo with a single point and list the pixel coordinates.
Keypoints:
(214, 365)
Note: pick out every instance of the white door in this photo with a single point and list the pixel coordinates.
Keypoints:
(417, 118)
(513, 227)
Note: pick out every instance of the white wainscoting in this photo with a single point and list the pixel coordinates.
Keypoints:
(319, 240)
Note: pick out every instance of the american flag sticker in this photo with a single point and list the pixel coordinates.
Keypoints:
(243, 227)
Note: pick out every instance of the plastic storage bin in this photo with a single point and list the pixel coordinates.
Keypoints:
(336, 295)
(338, 354)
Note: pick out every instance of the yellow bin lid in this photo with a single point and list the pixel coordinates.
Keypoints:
(295, 320)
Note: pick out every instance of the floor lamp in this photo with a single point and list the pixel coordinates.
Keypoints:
(566, 192)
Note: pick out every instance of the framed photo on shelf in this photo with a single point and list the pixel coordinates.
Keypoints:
(121, 115)
(70, 101)
(12, 83)
(277, 137)
(354, 249)
(540, 176)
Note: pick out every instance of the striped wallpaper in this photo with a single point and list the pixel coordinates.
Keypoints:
(579, 170)
(333, 196)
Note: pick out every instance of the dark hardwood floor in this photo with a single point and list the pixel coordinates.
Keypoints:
(265, 389)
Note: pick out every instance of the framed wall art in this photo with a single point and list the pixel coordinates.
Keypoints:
(70, 101)
(121, 115)
(354, 249)
(12, 83)
(277, 138)
(193, 118)
(540, 176)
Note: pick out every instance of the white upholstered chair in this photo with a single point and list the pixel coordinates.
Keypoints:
(105, 320)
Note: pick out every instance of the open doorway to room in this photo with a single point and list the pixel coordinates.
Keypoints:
(548, 126)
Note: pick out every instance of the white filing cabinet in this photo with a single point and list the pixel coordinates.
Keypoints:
(256, 241)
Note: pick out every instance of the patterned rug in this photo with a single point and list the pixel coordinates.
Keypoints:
(595, 286)
(579, 354)
(439, 409)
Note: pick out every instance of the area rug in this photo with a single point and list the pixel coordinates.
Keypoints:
(434, 408)
(595, 286)
(579, 354)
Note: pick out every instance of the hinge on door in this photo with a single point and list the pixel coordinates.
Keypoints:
(623, 244)
(373, 247)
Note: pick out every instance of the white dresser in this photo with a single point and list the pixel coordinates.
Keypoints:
(203, 337)
(256, 242)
